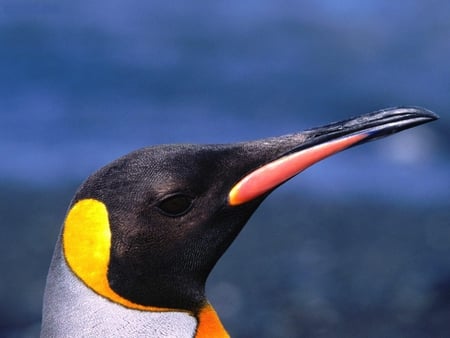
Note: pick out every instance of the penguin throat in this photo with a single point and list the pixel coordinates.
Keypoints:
(173, 290)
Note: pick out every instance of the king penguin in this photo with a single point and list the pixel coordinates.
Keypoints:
(143, 233)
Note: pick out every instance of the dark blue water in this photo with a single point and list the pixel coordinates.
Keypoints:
(84, 82)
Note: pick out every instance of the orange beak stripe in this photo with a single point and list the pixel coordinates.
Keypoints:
(274, 173)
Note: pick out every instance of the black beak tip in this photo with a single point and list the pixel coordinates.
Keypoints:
(392, 120)
(418, 112)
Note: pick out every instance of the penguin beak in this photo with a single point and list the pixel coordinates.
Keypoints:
(300, 151)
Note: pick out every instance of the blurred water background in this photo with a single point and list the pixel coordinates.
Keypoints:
(357, 246)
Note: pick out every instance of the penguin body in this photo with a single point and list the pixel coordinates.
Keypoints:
(143, 233)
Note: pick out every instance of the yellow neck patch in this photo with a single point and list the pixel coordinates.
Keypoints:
(209, 325)
(86, 242)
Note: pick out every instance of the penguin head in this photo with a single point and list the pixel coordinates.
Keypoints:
(146, 230)
(169, 219)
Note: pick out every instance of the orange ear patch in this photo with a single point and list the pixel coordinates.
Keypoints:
(86, 242)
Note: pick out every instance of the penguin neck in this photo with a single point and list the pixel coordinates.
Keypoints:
(156, 288)
(71, 306)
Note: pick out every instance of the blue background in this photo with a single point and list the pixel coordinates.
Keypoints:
(356, 246)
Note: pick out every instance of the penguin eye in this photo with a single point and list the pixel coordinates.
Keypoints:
(176, 205)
